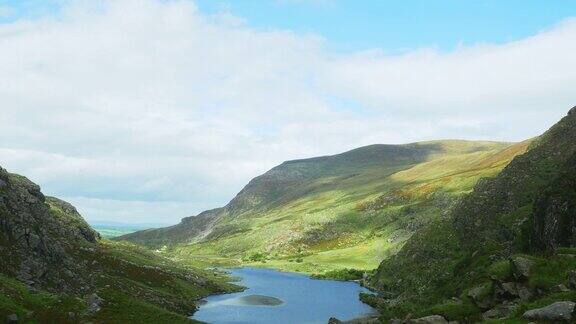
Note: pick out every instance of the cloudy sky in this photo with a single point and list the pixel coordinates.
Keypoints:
(153, 110)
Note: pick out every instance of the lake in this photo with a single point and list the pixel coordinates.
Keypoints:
(282, 297)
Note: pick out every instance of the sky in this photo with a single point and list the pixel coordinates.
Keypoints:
(147, 111)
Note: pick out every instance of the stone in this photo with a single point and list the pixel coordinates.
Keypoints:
(572, 111)
(94, 301)
(560, 288)
(432, 319)
(559, 311)
(517, 290)
(499, 312)
(480, 296)
(334, 320)
(12, 318)
(521, 267)
(572, 279)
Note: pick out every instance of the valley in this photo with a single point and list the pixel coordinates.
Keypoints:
(440, 231)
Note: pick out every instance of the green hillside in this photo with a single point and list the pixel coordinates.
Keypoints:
(56, 269)
(507, 247)
(350, 210)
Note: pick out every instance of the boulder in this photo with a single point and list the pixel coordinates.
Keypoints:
(521, 267)
(499, 312)
(94, 301)
(480, 296)
(515, 289)
(560, 288)
(12, 318)
(432, 319)
(572, 279)
(559, 311)
(363, 320)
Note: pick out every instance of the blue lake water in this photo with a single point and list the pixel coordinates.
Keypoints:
(303, 300)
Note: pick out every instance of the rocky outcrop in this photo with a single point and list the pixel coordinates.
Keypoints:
(478, 218)
(557, 312)
(39, 236)
(527, 209)
(554, 216)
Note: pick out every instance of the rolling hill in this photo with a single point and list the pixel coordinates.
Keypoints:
(350, 210)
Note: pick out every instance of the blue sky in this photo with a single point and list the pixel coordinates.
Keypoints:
(399, 25)
(392, 26)
(135, 110)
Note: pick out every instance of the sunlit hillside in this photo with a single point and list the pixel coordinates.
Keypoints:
(350, 210)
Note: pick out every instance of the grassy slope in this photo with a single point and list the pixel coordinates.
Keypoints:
(472, 246)
(354, 217)
(138, 286)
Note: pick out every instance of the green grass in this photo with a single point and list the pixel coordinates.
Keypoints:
(138, 286)
(341, 274)
(36, 307)
(123, 308)
(352, 220)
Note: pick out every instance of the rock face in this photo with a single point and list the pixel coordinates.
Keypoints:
(557, 312)
(527, 209)
(555, 212)
(478, 217)
(39, 235)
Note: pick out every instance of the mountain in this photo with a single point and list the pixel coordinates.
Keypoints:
(109, 229)
(349, 210)
(507, 247)
(56, 269)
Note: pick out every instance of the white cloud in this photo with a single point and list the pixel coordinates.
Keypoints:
(141, 108)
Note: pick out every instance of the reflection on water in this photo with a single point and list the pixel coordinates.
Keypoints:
(281, 297)
(251, 300)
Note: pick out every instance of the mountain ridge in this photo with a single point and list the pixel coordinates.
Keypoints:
(280, 173)
(269, 214)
